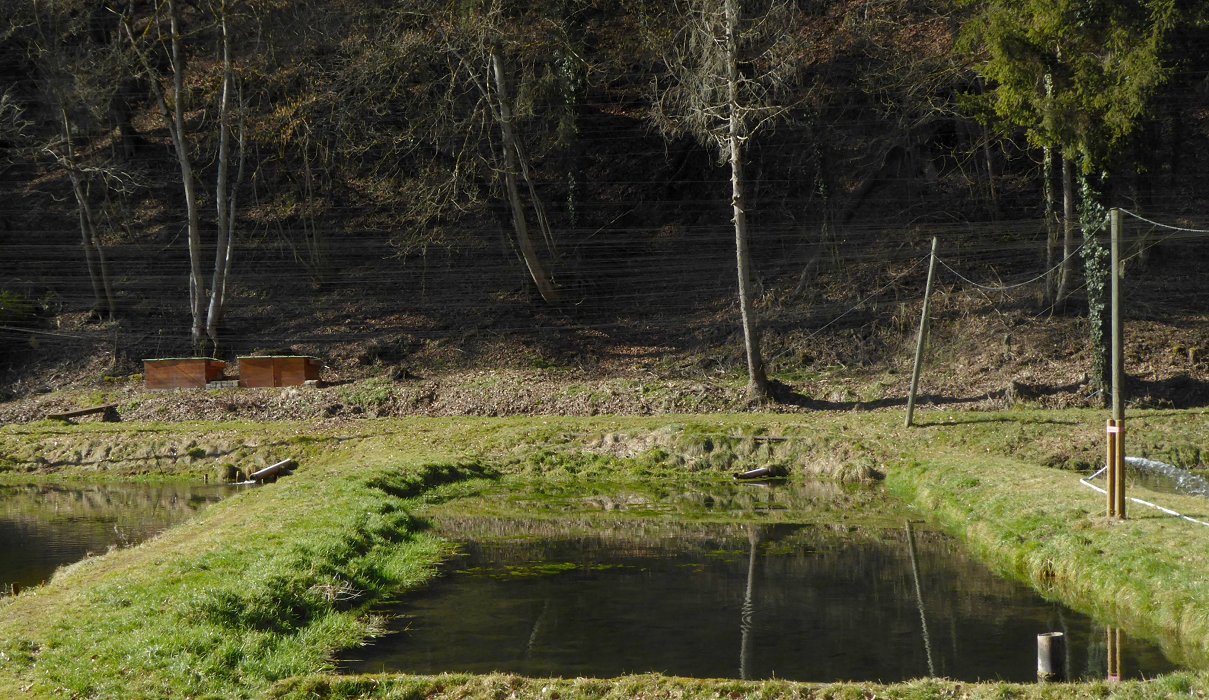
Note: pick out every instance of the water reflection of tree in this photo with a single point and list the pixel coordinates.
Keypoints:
(829, 599)
(952, 585)
(747, 611)
(102, 502)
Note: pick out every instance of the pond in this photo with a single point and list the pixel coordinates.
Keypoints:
(800, 602)
(44, 526)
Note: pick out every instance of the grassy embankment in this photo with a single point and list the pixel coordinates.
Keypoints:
(260, 587)
(256, 595)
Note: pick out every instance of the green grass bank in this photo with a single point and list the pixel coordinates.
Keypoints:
(256, 596)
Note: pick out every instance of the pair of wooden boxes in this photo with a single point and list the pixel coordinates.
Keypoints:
(254, 371)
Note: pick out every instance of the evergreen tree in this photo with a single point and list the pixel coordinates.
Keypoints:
(1077, 76)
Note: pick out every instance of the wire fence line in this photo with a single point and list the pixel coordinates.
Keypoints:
(1169, 227)
(867, 299)
(1196, 232)
(1017, 285)
(616, 288)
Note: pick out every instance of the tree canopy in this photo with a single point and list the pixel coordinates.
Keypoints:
(1077, 74)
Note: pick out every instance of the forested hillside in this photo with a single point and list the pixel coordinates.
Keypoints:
(441, 186)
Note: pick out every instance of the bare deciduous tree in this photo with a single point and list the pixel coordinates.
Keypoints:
(13, 126)
(94, 253)
(514, 164)
(76, 59)
(14, 136)
(1069, 222)
(475, 40)
(439, 109)
(708, 97)
(224, 191)
(205, 304)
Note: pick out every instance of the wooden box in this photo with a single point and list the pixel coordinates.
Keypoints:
(278, 370)
(181, 372)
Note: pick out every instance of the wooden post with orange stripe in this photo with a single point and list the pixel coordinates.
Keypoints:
(1115, 462)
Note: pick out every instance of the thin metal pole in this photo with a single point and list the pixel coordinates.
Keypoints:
(922, 339)
(1118, 350)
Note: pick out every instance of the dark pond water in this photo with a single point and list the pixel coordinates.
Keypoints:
(812, 603)
(44, 526)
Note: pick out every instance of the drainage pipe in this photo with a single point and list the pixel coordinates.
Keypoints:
(1051, 656)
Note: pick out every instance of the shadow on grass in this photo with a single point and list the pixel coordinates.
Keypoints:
(1179, 392)
(992, 418)
(411, 484)
(787, 395)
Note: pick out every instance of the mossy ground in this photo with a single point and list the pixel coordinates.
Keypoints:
(256, 595)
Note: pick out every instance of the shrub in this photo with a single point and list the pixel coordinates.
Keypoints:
(16, 309)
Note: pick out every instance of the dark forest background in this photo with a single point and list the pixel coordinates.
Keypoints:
(373, 158)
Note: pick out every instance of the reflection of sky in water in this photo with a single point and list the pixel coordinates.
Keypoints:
(806, 603)
(45, 526)
(1165, 478)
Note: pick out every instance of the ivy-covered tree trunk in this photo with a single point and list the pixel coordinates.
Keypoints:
(1067, 275)
(1051, 225)
(1093, 219)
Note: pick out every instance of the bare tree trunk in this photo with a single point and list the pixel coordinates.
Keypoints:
(539, 209)
(1066, 279)
(314, 240)
(86, 235)
(226, 275)
(1051, 222)
(528, 251)
(197, 292)
(222, 193)
(174, 116)
(103, 264)
(310, 232)
(993, 195)
(86, 243)
(94, 255)
(757, 382)
(990, 165)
